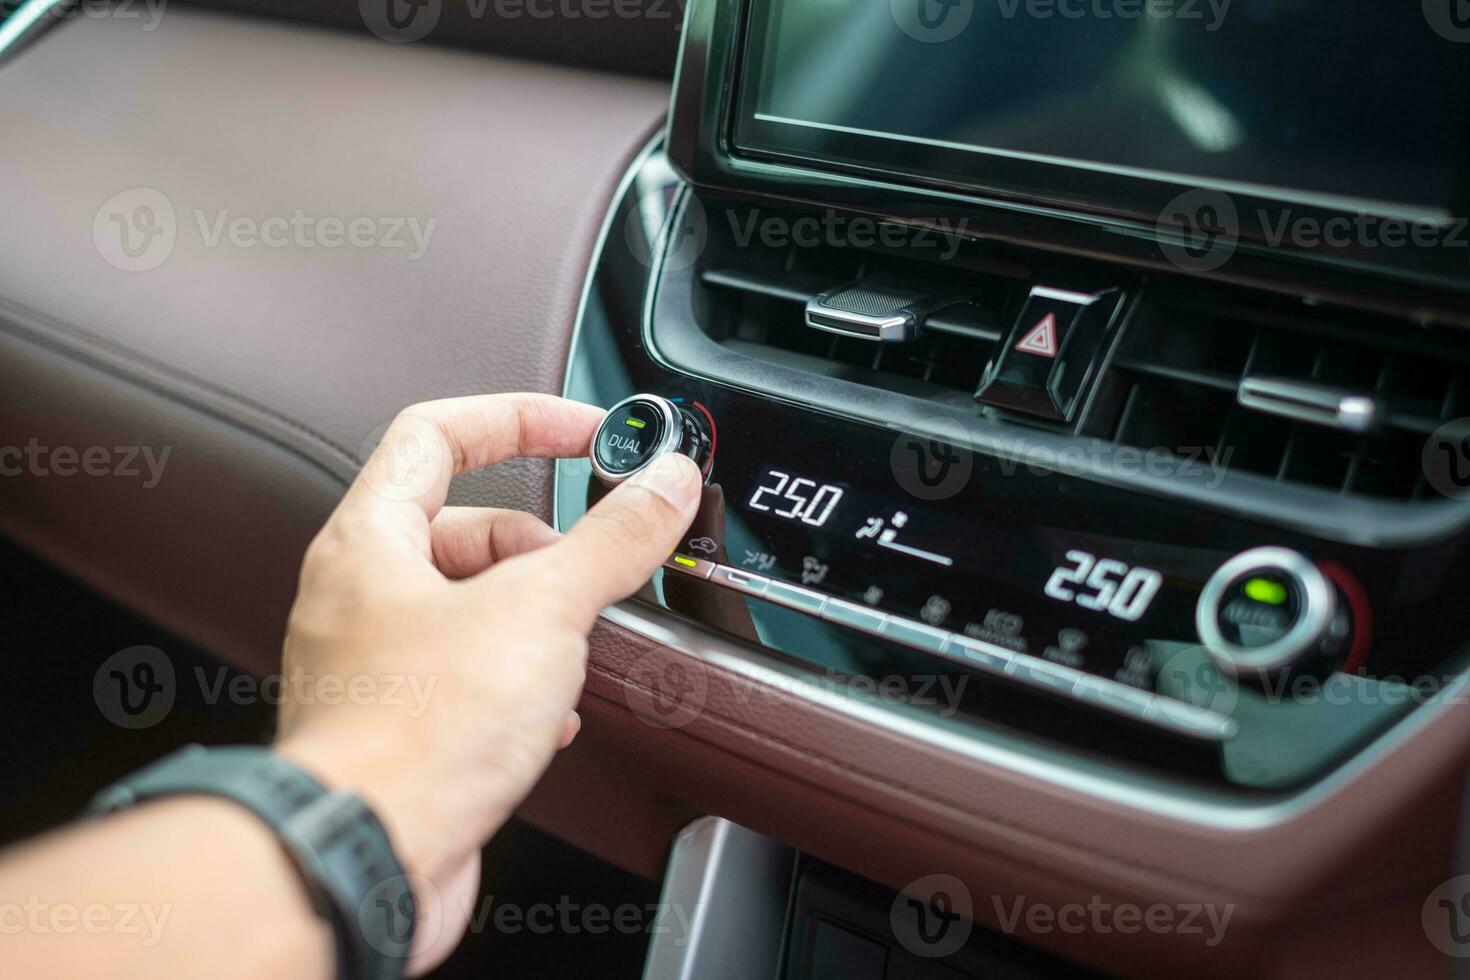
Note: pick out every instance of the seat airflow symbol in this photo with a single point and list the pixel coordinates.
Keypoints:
(1041, 339)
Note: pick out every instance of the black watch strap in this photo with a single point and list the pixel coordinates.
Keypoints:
(336, 841)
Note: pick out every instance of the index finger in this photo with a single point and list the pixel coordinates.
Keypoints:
(427, 444)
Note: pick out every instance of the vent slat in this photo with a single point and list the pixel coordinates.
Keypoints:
(1205, 379)
(787, 286)
(756, 298)
(968, 322)
(1182, 365)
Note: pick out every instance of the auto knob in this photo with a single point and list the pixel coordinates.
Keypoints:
(638, 430)
(1267, 610)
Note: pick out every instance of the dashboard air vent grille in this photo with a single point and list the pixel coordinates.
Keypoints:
(1175, 383)
(755, 297)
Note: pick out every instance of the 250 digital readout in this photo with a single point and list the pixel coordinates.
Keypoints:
(796, 498)
(1104, 585)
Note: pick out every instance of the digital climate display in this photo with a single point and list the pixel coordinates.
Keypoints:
(1092, 601)
(1310, 100)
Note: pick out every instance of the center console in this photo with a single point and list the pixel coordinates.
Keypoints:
(1020, 423)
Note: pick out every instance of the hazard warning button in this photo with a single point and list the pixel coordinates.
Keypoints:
(1051, 354)
(1041, 339)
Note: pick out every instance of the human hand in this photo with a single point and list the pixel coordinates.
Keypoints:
(481, 614)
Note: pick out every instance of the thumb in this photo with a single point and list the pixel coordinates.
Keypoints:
(617, 545)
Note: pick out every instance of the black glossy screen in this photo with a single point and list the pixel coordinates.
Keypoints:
(1318, 98)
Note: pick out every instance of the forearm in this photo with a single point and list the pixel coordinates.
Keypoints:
(180, 888)
(488, 609)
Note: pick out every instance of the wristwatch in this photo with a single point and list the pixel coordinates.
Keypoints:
(336, 842)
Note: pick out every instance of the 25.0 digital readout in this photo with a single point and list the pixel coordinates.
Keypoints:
(1104, 585)
(795, 498)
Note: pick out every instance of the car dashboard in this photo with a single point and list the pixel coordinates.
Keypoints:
(1067, 532)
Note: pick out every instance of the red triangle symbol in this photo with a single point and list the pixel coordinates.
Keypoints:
(1042, 339)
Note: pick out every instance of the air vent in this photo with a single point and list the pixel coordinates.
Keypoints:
(1298, 395)
(1283, 389)
(755, 297)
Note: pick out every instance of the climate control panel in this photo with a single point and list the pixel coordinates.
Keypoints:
(868, 551)
(1065, 587)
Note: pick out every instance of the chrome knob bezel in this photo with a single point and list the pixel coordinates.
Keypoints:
(670, 440)
(1318, 601)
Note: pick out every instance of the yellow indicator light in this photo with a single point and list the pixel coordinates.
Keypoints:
(635, 423)
(686, 562)
(1265, 590)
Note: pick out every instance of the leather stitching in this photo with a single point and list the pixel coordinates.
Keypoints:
(21, 321)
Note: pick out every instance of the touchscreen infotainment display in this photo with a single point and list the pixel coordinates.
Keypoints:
(1357, 105)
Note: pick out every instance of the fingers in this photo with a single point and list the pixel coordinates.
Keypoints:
(467, 540)
(615, 547)
(569, 729)
(427, 444)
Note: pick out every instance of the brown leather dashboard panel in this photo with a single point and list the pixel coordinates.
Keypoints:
(636, 36)
(300, 351)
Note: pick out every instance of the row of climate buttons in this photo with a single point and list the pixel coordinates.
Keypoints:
(1098, 692)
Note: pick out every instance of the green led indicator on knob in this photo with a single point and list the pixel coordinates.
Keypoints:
(1267, 591)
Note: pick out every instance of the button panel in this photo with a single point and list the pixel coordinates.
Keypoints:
(734, 578)
(915, 635)
(1090, 689)
(976, 653)
(1039, 673)
(850, 614)
(698, 567)
(793, 597)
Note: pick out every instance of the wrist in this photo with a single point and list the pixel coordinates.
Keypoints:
(429, 837)
(338, 847)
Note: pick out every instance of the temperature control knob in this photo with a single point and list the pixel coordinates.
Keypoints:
(642, 428)
(1268, 609)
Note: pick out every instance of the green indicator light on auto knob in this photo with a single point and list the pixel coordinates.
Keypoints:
(1267, 610)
